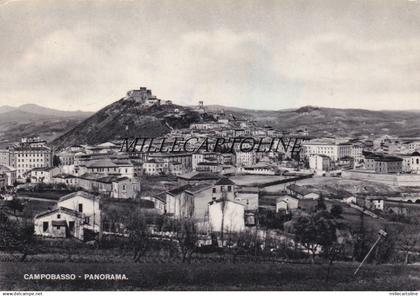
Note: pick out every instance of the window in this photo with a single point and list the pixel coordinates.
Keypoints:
(58, 216)
(229, 188)
(214, 190)
(45, 226)
(80, 207)
(87, 220)
(124, 188)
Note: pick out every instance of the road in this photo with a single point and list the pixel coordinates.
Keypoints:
(36, 198)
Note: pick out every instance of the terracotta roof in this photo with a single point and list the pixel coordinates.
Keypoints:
(59, 209)
(199, 176)
(42, 169)
(199, 187)
(299, 189)
(224, 181)
(161, 196)
(179, 189)
(78, 193)
(102, 163)
(64, 176)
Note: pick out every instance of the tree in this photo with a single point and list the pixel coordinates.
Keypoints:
(187, 237)
(242, 243)
(332, 253)
(56, 161)
(336, 211)
(408, 237)
(315, 231)
(360, 248)
(139, 235)
(16, 236)
(320, 206)
(16, 205)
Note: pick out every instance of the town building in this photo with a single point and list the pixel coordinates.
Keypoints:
(4, 157)
(110, 186)
(301, 192)
(25, 158)
(179, 203)
(331, 148)
(155, 167)
(258, 169)
(286, 203)
(9, 173)
(245, 158)
(319, 162)
(227, 216)
(383, 164)
(43, 175)
(75, 215)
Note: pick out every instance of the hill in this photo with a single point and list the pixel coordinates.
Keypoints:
(28, 120)
(128, 118)
(36, 109)
(322, 121)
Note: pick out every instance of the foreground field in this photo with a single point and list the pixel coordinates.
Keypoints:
(212, 276)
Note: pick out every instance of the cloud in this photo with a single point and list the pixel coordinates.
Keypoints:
(87, 54)
(340, 70)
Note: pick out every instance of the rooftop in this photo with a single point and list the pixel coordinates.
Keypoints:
(224, 181)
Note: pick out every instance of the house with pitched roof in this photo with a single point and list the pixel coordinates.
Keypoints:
(179, 203)
(301, 192)
(43, 175)
(113, 186)
(10, 174)
(59, 223)
(224, 188)
(74, 215)
(196, 177)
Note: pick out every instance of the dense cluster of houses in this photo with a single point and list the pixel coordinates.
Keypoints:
(200, 185)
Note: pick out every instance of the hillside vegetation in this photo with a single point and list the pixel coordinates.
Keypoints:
(128, 118)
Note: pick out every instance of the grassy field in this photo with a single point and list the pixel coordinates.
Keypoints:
(212, 276)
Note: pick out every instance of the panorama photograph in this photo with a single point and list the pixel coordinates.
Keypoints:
(225, 145)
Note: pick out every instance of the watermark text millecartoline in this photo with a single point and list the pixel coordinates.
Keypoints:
(199, 145)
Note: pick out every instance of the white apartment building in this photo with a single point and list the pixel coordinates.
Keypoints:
(245, 158)
(4, 157)
(411, 163)
(331, 149)
(26, 158)
(357, 152)
(155, 167)
(319, 162)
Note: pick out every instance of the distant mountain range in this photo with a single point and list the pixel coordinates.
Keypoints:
(129, 118)
(31, 119)
(326, 122)
(39, 110)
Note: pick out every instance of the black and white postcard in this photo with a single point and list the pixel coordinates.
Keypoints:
(224, 145)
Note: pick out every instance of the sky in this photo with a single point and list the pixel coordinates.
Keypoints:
(262, 54)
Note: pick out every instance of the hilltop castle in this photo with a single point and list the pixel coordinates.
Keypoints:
(143, 95)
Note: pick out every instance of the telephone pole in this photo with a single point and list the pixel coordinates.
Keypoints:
(381, 233)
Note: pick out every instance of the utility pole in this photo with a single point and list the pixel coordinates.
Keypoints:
(381, 233)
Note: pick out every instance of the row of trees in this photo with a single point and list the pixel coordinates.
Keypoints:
(317, 233)
(141, 239)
